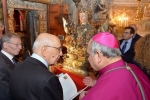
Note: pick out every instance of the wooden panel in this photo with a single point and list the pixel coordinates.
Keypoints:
(54, 24)
(56, 12)
(65, 9)
(54, 8)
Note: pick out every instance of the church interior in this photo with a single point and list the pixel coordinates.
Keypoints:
(29, 18)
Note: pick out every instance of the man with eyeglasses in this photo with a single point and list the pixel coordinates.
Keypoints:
(31, 79)
(127, 44)
(136, 36)
(11, 46)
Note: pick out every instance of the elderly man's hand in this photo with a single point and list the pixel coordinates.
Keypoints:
(88, 81)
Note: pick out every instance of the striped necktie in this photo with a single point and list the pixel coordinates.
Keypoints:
(124, 47)
(14, 61)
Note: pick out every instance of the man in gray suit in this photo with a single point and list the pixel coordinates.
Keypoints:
(31, 79)
(11, 46)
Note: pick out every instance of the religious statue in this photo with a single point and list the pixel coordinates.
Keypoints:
(76, 43)
(84, 30)
(146, 17)
(101, 10)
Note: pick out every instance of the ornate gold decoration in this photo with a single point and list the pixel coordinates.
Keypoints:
(138, 12)
(43, 22)
(76, 42)
(11, 26)
(25, 5)
(10, 20)
(41, 8)
(43, 25)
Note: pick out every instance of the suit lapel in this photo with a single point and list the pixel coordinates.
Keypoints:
(0, 47)
(131, 46)
(7, 60)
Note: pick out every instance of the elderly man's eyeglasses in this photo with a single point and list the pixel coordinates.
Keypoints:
(17, 45)
(58, 48)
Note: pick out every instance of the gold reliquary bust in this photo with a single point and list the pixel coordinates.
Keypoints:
(76, 42)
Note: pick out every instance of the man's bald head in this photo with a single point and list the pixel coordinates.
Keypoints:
(45, 39)
(48, 47)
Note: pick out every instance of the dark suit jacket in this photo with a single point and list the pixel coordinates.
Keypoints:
(128, 56)
(31, 80)
(0, 47)
(137, 36)
(6, 67)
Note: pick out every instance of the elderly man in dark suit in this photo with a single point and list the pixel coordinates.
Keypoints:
(11, 46)
(31, 79)
(127, 45)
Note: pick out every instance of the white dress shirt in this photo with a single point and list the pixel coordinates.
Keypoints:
(127, 45)
(8, 55)
(34, 55)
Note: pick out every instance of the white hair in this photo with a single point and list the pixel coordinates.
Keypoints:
(106, 51)
(40, 43)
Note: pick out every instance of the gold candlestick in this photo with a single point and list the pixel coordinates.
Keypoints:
(138, 12)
